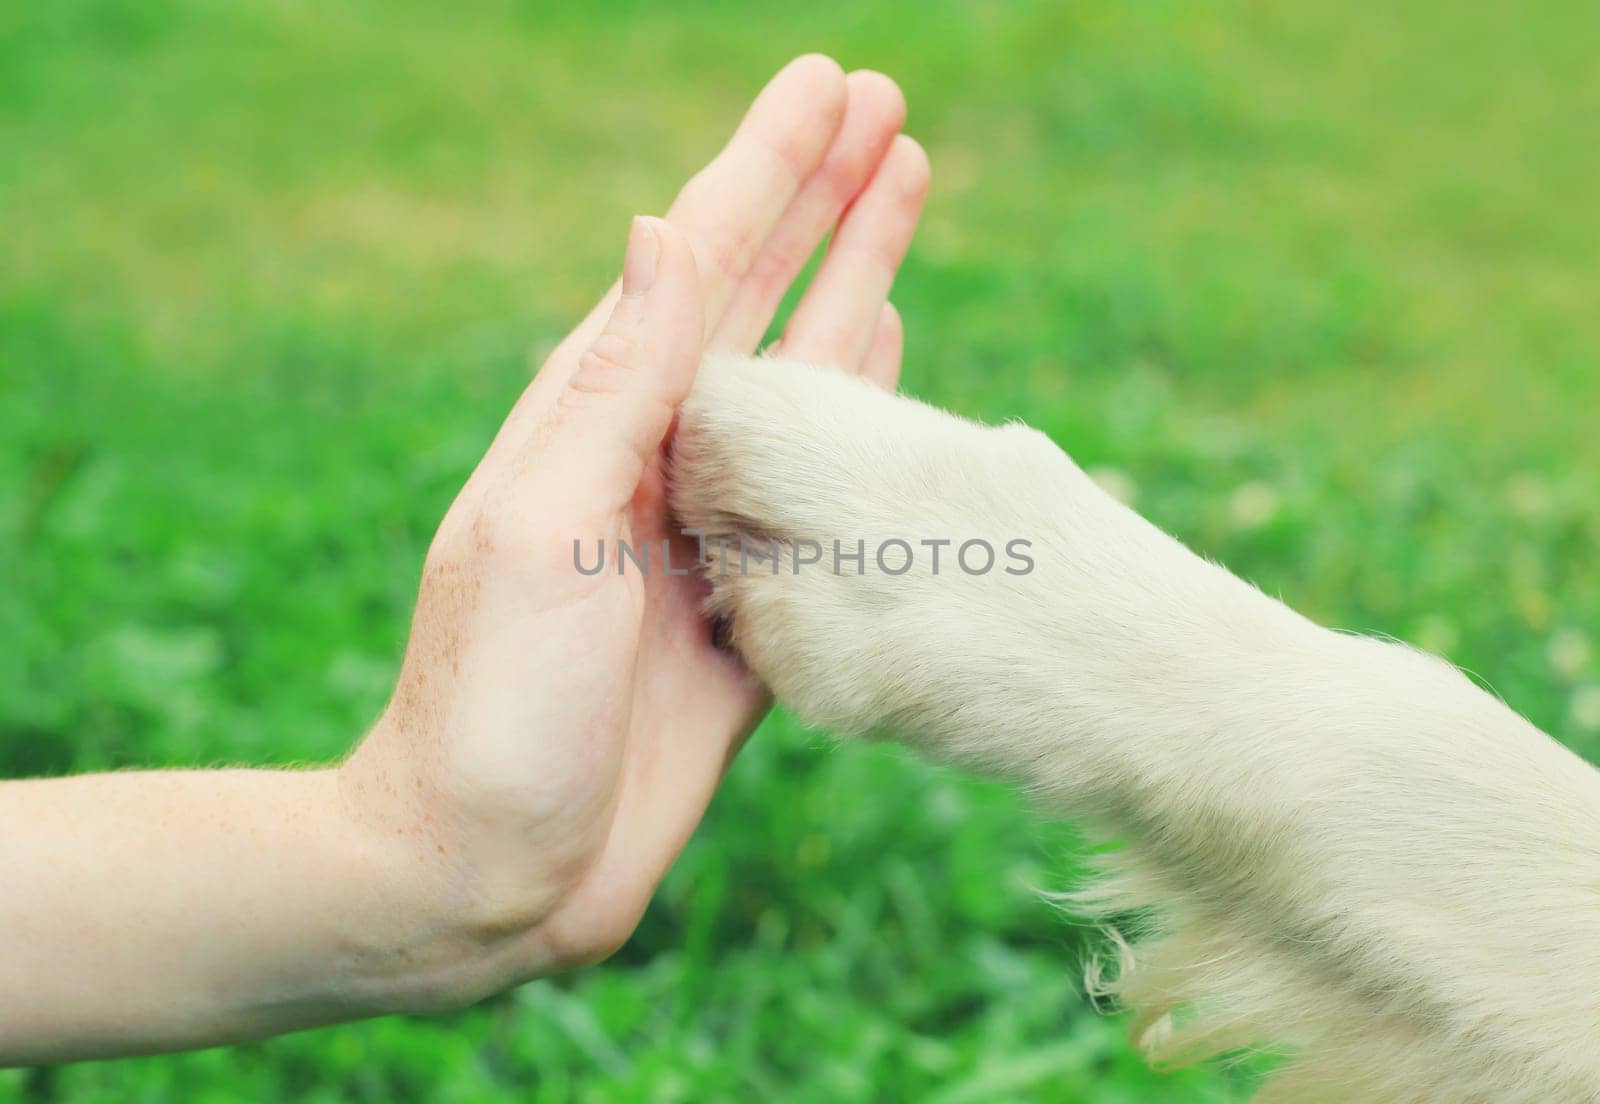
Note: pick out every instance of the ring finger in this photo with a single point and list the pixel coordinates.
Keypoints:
(839, 314)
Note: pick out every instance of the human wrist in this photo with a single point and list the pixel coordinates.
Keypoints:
(462, 887)
(411, 944)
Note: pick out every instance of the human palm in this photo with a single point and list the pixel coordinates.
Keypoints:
(558, 735)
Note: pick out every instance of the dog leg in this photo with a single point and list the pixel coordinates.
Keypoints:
(1345, 848)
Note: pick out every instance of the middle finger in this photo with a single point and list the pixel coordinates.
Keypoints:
(838, 316)
(874, 113)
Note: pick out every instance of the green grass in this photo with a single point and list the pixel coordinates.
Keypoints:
(1321, 284)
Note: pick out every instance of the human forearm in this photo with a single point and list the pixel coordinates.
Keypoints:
(154, 911)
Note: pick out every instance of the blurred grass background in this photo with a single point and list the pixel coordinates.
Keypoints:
(1317, 286)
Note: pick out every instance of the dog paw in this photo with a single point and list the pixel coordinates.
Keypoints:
(862, 546)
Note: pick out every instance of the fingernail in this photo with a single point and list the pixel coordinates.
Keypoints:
(644, 254)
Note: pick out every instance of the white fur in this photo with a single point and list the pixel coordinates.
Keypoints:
(1340, 847)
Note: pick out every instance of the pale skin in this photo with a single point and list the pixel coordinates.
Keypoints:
(553, 738)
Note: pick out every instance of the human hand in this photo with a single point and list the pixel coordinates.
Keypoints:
(555, 737)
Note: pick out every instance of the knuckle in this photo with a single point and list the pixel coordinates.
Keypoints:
(790, 154)
(727, 249)
(822, 343)
(606, 365)
(730, 251)
(870, 259)
(772, 272)
(842, 180)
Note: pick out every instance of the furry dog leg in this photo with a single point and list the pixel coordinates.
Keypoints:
(1349, 851)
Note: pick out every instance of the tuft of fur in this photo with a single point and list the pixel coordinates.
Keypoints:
(1339, 849)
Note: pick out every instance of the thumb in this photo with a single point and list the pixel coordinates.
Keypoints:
(618, 403)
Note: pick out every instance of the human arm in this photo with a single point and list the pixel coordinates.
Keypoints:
(553, 739)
